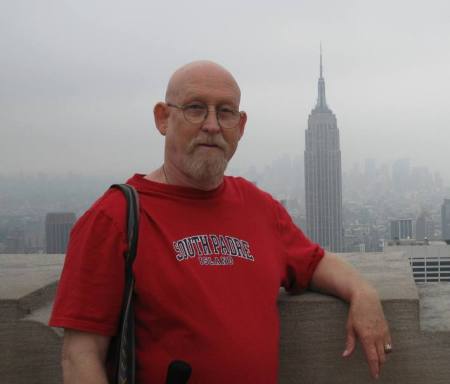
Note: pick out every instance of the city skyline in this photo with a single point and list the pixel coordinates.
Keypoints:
(78, 91)
(371, 198)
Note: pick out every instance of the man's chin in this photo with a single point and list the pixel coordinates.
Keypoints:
(208, 168)
(209, 155)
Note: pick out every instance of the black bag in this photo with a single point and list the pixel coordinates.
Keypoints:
(121, 354)
(121, 360)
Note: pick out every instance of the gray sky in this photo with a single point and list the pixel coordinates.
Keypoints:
(78, 79)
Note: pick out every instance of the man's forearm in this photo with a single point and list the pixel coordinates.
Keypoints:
(84, 370)
(83, 358)
(366, 319)
(335, 276)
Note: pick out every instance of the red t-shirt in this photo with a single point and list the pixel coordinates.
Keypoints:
(208, 272)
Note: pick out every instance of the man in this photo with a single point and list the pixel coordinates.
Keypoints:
(213, 252)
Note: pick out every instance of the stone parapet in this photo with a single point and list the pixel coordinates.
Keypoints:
(30, 350)
(312, 326)
(313, 330)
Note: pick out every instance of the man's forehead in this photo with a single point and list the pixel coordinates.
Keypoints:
(214, 88)
(202, 79)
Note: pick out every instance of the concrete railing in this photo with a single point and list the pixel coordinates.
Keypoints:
(312, 326)
(29, 349)
(313, 329)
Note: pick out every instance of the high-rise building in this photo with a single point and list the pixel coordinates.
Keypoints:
(323, 175)
(401, 174)
(401, 229)
(15, 241)
(445, 214)
(370, 168)
(424, 227)
(57, 230)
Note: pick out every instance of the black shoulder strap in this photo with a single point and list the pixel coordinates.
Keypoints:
(122, 351)
(125, 358)
(132, 198)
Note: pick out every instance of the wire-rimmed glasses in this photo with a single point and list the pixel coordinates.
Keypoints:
(197, 113)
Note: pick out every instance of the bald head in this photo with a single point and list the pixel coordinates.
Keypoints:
(196, 153)
(199, 72)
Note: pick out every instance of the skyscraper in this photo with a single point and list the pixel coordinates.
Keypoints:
(445, 214)
(401, 229)
(323, 175)
(57, 230)
(424, 227)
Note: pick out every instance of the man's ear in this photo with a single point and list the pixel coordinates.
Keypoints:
(242, 123)
(161, 115)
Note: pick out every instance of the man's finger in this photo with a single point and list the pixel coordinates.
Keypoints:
(381, 353)
(350, 343)
(372, 359)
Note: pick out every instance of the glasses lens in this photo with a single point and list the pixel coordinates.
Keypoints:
(228, 118)
(195, 113)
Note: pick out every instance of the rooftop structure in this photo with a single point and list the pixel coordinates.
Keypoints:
(430, 260)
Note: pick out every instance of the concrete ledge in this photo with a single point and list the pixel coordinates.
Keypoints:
(27, 282)
(434, 308)
(313, 339)
(313, 332)
(30, 353)
(312, 326)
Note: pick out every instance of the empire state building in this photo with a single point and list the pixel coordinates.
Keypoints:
(323, 175)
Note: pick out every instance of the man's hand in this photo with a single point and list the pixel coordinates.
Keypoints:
(366, 319)
(367, 323)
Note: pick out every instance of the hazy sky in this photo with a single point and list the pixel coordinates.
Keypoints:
(78, 79)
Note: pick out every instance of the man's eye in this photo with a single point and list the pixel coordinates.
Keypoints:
(195, 107)
(227, 110)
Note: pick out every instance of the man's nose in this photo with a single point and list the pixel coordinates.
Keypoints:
(211, 124)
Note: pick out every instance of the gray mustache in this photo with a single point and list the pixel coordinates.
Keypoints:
(219, 141)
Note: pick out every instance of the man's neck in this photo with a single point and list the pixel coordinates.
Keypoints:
(168, 175)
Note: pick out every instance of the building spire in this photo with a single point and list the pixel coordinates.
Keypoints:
(321, 100)
(321, 60)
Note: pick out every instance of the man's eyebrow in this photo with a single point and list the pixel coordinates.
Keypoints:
(203, 99)
(194, 93)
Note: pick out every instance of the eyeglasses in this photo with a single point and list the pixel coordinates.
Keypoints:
(197, 113)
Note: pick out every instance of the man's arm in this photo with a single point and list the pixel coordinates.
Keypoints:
(83, 357)
(366, 319)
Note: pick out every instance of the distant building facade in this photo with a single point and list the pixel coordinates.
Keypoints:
(401, 229)
(401, 171)
(424, 227)
(323, 175)
(15, 241)
(445, 214)
(57, 230)
(430, 261)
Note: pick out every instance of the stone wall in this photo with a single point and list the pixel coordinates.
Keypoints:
(312, 326)
(30, 350)
(313, 330)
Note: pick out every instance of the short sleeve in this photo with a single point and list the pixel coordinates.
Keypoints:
(300, 255)
(90, 290)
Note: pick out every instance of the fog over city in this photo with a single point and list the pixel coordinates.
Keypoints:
(79, 78)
